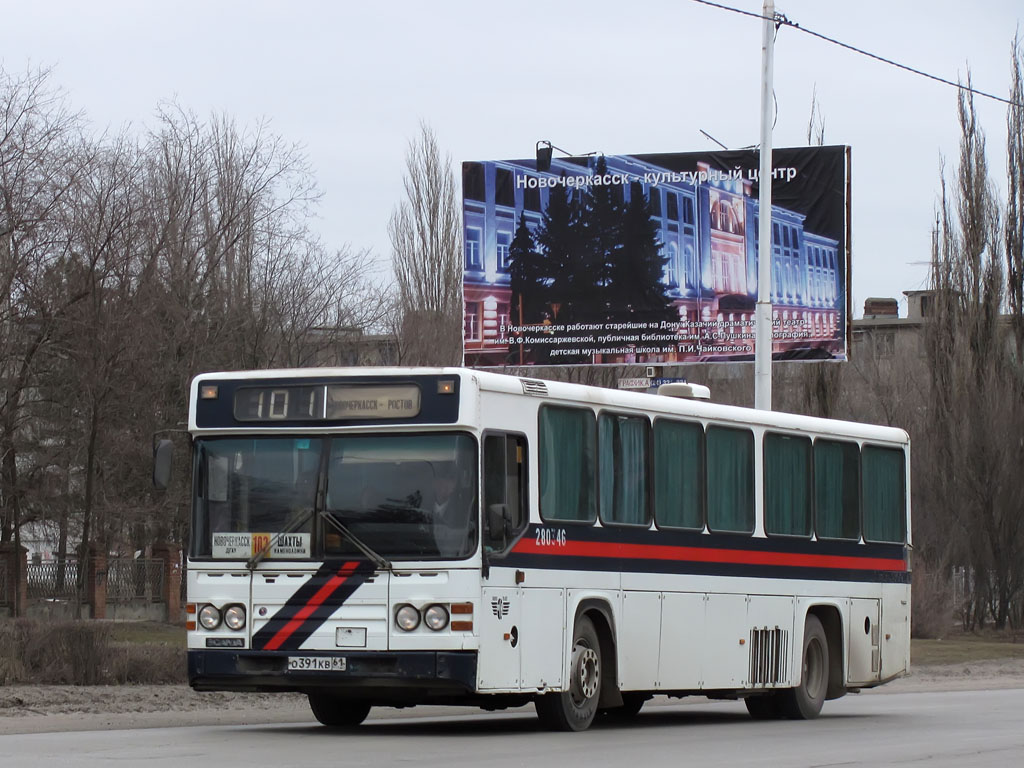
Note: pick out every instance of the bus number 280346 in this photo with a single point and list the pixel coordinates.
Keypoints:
(551, 537)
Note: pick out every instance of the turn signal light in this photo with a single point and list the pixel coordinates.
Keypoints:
(464, 610)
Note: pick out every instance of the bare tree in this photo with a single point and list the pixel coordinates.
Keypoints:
(815, 122)
(130, 265)
(1014, 226)
(41, 158)
(235, 277)
(976, 404)
(426, 256)
(100, 336)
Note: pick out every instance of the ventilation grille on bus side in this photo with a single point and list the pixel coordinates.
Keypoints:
(534, 387)
(769, 656)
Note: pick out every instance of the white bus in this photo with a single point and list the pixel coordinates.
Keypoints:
(393, 537)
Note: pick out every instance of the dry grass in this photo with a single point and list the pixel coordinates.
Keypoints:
(89, 653)
(148, 633)
(960, 648)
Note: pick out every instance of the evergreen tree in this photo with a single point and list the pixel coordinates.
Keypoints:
(560, 236)
(602, 219)
(529, 293)
(637, 290)
(526, 273)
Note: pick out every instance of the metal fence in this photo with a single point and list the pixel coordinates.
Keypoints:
(53, 580)
(140, 578)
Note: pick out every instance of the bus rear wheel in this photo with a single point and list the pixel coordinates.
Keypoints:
(804, 702)
(574, 710)
(336, 712)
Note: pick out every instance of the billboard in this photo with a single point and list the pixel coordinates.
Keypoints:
(652, 259)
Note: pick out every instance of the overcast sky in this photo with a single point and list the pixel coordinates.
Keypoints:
(351, 82)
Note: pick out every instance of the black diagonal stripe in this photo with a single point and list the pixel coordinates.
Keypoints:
(327, 608)
(290, 610)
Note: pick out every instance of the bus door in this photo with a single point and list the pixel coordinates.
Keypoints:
(522, 622)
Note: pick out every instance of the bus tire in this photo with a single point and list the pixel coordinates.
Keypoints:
(574, 709)
(336, 712)
(804, 702)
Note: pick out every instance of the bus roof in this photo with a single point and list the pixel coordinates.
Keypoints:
(568, 393)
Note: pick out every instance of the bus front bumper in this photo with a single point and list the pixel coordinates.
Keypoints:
(420, 674)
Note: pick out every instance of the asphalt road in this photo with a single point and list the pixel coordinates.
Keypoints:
(963, 728)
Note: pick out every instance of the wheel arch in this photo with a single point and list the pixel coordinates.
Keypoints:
(831, 618)
(599, 611)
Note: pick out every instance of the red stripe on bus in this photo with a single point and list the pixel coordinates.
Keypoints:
(706, 555)
(314, 602)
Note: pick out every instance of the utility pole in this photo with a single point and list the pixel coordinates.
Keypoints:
(763, 317)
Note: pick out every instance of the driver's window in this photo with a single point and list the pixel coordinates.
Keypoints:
(505, 511)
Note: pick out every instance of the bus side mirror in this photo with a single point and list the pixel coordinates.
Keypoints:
(499, 525)
(162, 452)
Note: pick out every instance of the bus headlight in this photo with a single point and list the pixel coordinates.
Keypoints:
(234, 617)
(209, 617)
(407, 617)
(436, 617)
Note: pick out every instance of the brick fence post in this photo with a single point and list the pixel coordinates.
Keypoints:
(171, 555)
(96, 582)
(17, 589)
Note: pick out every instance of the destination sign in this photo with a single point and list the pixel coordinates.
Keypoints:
(373, 402)
(343, 401)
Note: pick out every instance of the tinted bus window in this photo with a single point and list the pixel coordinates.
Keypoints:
(678, 474)
(787, 485)
(882, 488)
(730, 457)
(567, 464)
(623, 469)
(836, 490)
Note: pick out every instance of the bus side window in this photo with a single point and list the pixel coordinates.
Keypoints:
(504, 490)
(883, 494)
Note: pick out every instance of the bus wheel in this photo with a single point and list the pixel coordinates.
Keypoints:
(337, 712)
(804, 702)
(574, 709)
(764, 707)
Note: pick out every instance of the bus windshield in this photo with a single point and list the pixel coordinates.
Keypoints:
(403, 496)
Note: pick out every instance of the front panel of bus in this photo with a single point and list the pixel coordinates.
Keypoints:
(335, 533)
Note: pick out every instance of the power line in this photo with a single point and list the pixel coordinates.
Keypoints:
(781, 20)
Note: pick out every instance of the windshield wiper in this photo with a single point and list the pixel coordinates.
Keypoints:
(375, 557)
(298, 522)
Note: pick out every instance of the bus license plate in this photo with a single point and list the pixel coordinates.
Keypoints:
(316, 663)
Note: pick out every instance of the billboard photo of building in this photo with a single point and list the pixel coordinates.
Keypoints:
(652, 259)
